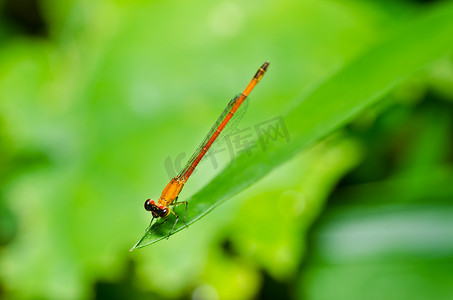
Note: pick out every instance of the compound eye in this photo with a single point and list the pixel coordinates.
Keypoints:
(164, 212)
(148, 205)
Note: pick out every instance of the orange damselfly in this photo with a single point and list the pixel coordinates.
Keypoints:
(169, 196)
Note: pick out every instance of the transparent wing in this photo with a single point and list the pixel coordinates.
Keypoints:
(231, 125)
(219, 143)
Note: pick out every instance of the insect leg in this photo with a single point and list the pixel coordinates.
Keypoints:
(150, 223)
(185, 213)
(176, 221)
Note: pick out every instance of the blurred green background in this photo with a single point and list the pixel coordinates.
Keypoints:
(98, 99)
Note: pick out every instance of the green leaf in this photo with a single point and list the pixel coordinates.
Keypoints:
(332, 104)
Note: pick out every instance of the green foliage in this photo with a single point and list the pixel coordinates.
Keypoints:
(96, 114)
(318, 113)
